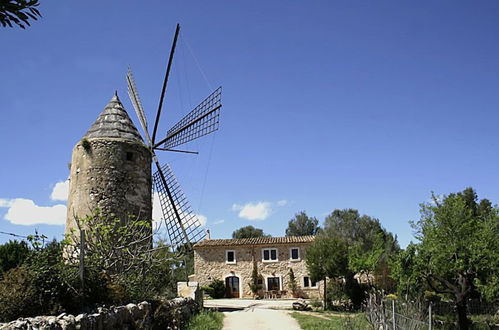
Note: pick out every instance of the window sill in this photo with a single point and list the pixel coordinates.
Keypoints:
(230, 262)
(269, 261)
(294, 260)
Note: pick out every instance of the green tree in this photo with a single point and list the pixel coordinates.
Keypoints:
(12, 254)
(302, 225)
(371, 247)
(248, 232)
(327, 257)
(407, 270)
(18, 12)
(365, 248)
(457, 251)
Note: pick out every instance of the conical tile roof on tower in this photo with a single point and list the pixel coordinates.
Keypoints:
(114, 122)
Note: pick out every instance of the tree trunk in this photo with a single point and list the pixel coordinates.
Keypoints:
(462, 319)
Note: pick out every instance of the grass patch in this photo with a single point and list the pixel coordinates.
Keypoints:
(206, 320)
(310, 322)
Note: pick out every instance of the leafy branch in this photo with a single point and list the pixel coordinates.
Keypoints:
(18, 12)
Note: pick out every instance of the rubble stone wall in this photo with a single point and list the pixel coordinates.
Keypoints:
(210, 263)
(172, 314)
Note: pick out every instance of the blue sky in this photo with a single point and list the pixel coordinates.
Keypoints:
(326, 104)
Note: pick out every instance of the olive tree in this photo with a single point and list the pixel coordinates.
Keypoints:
(457, 252)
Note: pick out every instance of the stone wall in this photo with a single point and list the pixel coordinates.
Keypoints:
(172, 314)
(210, 263)
(113, 175)
(191, 290)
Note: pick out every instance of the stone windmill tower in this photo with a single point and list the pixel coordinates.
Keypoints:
(110, 170)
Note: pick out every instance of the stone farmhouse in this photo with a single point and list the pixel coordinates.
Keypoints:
(232, 260)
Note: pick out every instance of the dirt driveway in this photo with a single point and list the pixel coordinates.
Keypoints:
(254, 318)
(248, 314)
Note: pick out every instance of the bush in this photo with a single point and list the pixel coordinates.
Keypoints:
(356, 291)
(316, 303)
(216, 289)
(336, 296)
(46, 285)
(17, 294)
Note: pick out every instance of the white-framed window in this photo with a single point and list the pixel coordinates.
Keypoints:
(308, 283)
(270, 255)
(294, 254)
(230, 256)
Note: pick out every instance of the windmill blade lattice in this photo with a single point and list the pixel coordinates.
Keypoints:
(139, 110)
(183, 229)
(203, 120)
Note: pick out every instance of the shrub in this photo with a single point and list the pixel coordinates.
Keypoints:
(216, 289)
(46, 285)
(254, 286)
(337, 298)
(356, 291)
(17, 294)
(293, 285)
(316, 303)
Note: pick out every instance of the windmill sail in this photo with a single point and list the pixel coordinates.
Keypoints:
(186, 228)
(134, 97)
(203, 120)
(183, 225)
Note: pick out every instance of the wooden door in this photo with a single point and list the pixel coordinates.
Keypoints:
(232, 286)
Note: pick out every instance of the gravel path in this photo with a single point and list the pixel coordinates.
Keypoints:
(254, 318)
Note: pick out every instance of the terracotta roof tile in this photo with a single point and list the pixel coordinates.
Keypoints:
(254, 241)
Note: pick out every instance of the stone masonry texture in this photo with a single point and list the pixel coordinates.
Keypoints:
(110, 170)
(171, 314)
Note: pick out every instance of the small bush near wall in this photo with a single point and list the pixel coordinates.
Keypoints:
(17, 294)
(216, 289)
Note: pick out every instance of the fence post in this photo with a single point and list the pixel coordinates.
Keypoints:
(383, 315)
(394, 325)
(429, 317)
(82, 258)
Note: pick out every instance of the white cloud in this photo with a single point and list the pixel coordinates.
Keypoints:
(254, 211)
(6, 202)
(282, 202)
(202, 219)
(218, 222)
(60, 191)
(25, 212)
